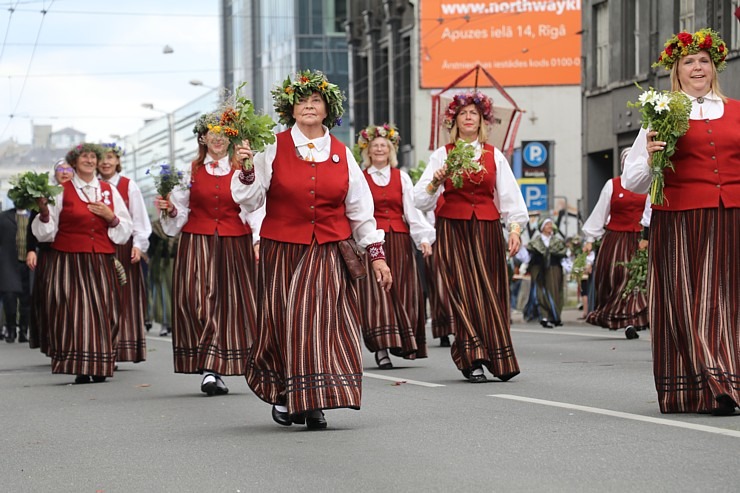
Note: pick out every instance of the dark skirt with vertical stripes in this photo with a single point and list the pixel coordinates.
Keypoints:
(548, 290)
(308, 353)
(131, 344)
(612, 310)
(694, 296)
(395, 319)
(214, 307)
(82, 312)
(443, 322)
(472, 262)
(38, 327)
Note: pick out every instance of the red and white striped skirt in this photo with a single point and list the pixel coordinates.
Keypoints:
(612, 310)
(395, 319)
(471, 256)
(131, 344)
(308, 352)
(83, 313)
(214, 307)
(443, 322)
(694, 296)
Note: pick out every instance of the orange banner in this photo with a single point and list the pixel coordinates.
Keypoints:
(521, 42)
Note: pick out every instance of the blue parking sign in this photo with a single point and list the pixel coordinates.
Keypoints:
(535, 196)
(534, 154)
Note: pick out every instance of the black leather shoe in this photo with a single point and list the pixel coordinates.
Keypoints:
(22, 335)
(546, 324)
(383, 363)
(631, 333)
(299, 419)
(315, 420)
(10, 335)
(477, 378)
(208, 387)
(444, 341)
(98, 379)
(281, 418)
(726, 406)
(79, 379)
(221, 389)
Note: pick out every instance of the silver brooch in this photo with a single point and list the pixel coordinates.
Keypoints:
(335, 158)
(106, 197)
(621, 195)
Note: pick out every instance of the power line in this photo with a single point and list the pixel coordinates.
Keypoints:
(7, 29)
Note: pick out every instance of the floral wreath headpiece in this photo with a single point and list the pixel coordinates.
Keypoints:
(114, 148)
(459, 101)
(208, 122)
(303, 85)
(80, 149)
(684, 43)
(371, 132)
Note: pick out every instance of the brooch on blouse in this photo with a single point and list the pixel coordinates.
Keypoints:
(335, 158)
(106, 197)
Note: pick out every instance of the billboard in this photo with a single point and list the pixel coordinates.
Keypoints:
(521, 42)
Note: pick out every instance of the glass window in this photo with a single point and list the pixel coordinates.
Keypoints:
(686, 16)
(601, 15)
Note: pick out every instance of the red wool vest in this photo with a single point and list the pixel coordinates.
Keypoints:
(388, 202)
(81, 231)
(212, 210)
(707, 165)
(625, 209)
(473, 198)
(122, 187)
(306, 199)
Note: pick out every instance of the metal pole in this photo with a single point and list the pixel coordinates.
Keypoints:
(171, 137)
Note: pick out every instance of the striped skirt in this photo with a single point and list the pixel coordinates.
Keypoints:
(611, 310)
(214, 307)
(82, 312)
(548, 290)
(443, 322)
(395, 319)
(694, 295)
(38, 327)
(471, 259)
(308, 352)
(132, 302)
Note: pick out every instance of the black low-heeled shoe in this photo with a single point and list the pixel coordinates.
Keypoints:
(98, 379)
(726, 406)
(444, 341)
(209, 388)
(280, 417)
(383, 366)
(631, 333)
(80, 379)
(477, 378)
(314, 422)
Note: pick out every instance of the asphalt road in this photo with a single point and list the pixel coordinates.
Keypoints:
(582, 416)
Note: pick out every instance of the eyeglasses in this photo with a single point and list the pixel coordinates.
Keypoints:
(64, 169)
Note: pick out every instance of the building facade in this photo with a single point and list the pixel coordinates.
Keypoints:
(621, 41)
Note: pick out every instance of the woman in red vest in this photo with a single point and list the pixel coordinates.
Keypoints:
(394, 320)
(84, 224)
(694, 269)
(131, 331)
(213, 280)
(617, 218)
(471, 250)
(307, 356)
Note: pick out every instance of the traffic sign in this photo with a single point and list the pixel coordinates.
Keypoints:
(534, 191)
(536, 158)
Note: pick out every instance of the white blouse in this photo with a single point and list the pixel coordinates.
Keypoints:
(359, 207)
(45, 232)
(508, 197)
(419, 228)
(636, 176)
(137, 208)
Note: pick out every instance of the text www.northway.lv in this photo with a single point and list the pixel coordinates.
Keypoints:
(511, 7)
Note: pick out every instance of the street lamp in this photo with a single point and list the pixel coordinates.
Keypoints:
(170, 129)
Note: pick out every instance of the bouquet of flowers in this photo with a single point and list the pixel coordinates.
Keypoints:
(238, 121)
(29, 187)
(637, 272)
(166, 180)
(667, 113)
(461, 163)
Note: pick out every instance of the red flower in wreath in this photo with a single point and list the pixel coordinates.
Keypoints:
(685, 38)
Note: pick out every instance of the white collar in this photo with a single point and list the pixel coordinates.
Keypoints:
(301, 140)
(80, 183)
(708, 96)
(113, 179)
(223, 163)
(384, 171)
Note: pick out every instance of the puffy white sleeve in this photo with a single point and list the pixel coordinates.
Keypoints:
(636, 174)
(647, 213)
(419, 228)
(254, 219)
(45, 232)
(253, 196)
(508, 197)
(139, 216)
(180, 198)
(359, 207)
(422, 199)
(594, 225)
(125, 227)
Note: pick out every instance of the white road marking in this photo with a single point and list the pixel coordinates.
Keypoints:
(617, 334)
(618, 414)
(402, 380)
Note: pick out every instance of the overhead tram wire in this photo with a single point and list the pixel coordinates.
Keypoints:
(7, 29)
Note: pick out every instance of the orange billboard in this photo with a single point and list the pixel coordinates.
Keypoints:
(521, 42)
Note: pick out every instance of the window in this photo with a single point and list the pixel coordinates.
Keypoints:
(734, 41)
(631, 36)
(601, 14)
(686, 16)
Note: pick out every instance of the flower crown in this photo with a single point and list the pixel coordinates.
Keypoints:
(303, 85)
(211, 122)
(371, 132)
(80, 149)
(114, 148)
(684, 43)
(459, 101)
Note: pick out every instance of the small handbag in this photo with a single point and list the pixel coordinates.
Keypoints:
(354, 259)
